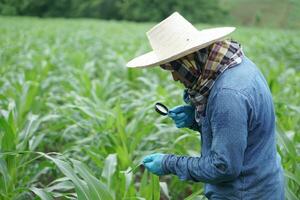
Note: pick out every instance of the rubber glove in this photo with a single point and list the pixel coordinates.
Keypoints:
(153, 163)
(183, 116)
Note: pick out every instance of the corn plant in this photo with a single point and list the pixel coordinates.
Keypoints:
(75, 123)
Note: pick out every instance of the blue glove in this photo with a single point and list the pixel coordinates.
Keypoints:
(153, 163)
(183, 116)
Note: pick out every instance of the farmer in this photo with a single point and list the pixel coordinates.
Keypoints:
(228, 101)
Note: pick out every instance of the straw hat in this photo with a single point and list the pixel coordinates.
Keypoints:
(175, 37)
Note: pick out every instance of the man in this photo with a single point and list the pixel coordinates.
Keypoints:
(228, 101)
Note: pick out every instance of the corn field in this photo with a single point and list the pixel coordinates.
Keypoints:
(75, 122)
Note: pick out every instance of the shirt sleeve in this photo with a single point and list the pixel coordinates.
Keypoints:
(228, 116)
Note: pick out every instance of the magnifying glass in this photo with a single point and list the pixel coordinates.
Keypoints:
(161, 109)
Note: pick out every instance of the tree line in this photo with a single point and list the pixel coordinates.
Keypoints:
(206, 11)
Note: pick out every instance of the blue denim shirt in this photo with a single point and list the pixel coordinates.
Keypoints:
(238, 153)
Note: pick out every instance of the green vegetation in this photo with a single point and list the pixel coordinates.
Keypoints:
(135, 10)
(263, 13)
(74, 121)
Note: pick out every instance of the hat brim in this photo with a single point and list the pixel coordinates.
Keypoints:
(202, 40)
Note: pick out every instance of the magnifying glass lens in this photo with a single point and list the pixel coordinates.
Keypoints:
(161, 109)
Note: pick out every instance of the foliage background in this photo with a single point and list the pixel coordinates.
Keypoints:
(74, 120)
(270, 13)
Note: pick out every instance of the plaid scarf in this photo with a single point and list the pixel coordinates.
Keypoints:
(202, 68)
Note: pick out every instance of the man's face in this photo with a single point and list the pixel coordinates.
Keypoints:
(168, 67)
(188, 69)
(176, 76)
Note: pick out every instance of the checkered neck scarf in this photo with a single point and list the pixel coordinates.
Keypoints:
(202, 68)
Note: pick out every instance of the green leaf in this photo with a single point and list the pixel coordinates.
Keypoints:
(61, 186)
(155, 187)
(292, 176)
(287, 143)
(164, 188)
(290, 195)
(97, 189)
(194, 195)
(145, 190)
(41, 193)
(80, 186)
(109, 167)
(5, 174)
(9, 137)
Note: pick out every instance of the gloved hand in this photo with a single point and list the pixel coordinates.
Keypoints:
(183, 116)
(153, 163)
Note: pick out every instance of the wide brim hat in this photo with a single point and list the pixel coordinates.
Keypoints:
(176, 37)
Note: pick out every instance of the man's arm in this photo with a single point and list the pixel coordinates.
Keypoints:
(228, 116)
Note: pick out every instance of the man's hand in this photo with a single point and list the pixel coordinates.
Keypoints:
(153, 163)
(183, 116)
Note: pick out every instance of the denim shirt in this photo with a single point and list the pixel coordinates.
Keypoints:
(238, 153)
